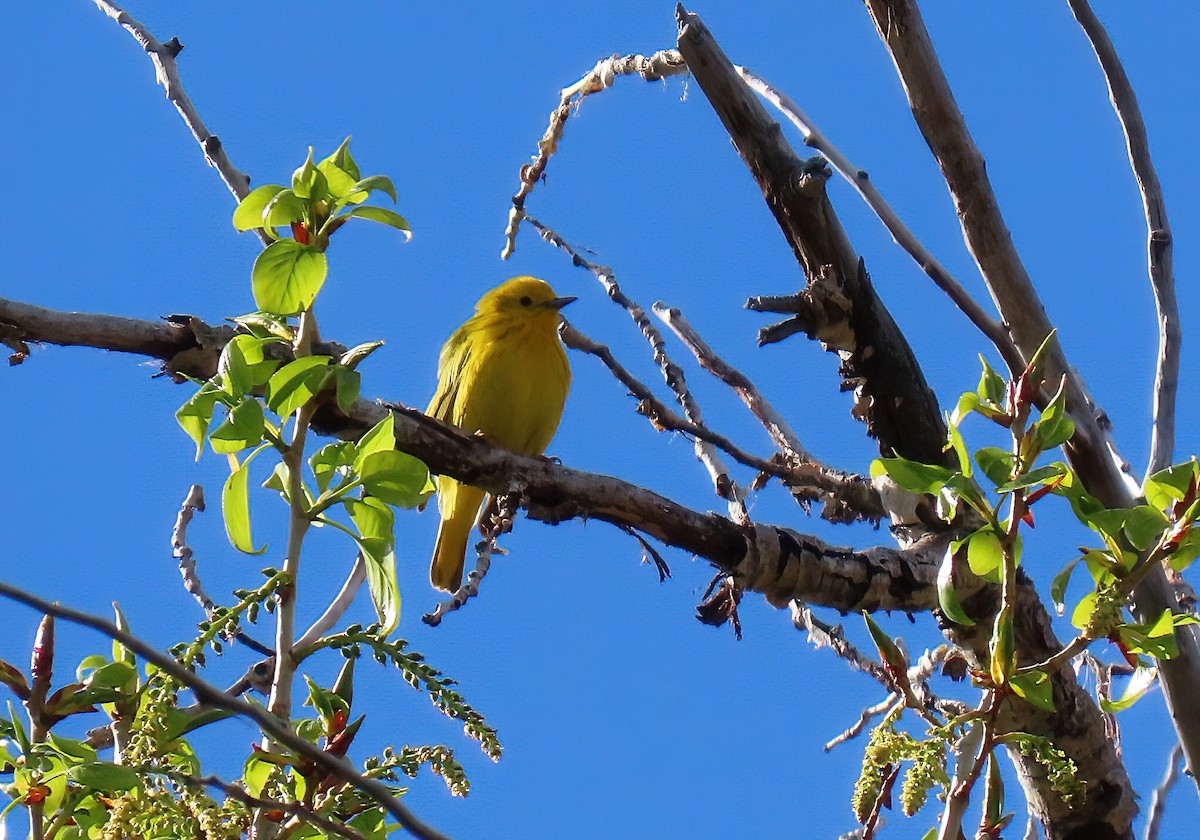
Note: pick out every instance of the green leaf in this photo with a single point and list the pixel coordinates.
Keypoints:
(195, 415)
(278, 481)
(1039, 476)
(353, 357)
(266, 325)
(911, 475)
(235, 508)
(180, 722)
(120, 653)
(1109, 523)
(991, 384)
(341, 173)
(1004, 653)
(329, 459)
(955, 441)
(1036, 688)
(1145, 526)
(888, 651)
(105, 777)
(1054, 428)
(308, 181)
(286, 207)
(985, 555)
(348, 382)
(256, 772)
(381, 581)
(1155, 638)
(1139, 683)
(114, 675)
(287, 277)
(947, 597)
(384, 216)
(1168, 486)
(237, 363)
(1082, 614)
(373, 518)
(1058, 586)
(377, 182)
(380, 438)
(1188, 550)
(397, 478)
(296, 383)
(249, 212)
(242, 429)
(996, 464)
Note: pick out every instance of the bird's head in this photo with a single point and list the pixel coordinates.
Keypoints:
(523, 297)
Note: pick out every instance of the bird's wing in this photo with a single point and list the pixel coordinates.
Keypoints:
(452, 362)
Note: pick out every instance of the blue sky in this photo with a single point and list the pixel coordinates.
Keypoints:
(621, 714)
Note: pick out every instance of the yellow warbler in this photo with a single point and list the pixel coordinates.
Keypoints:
(503, 374)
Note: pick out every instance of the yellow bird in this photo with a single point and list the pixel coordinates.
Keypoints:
(504, 375)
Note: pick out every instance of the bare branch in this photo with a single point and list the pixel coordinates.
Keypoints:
(904, 237)
(706, 452)
(1158, 802)
(166, 73)
(336, 609)
(209, 694)
(181, 551)
(866, 716)
(1158, 235)
(662, 64)
(501, 522)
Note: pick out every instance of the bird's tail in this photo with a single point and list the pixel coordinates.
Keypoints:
(459, 506)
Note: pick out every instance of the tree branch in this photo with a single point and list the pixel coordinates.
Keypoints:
(166, 73)
(1158, 235)
(904, 237)
(1091, 452)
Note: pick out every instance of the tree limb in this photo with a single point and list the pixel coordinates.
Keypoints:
(1158, 235)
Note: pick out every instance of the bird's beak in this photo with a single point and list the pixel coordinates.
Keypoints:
(558, 302)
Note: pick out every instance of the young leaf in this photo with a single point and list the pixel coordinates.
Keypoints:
(397, 478)
(296, 383)
(236, 364)
(249, 212)
(379, 438)
(1058, 586)
(105, 777)
(355, 355)
(308, 181)
(329, 459)
(1139, 683)
(955, 441)
(991, 384)
(1004, 654)
(1036, 688)
(195, 415)
(377, 182)
(1038, 476)
(1082, 614)
(1054, 427)
(381, 580)
(242, 429)
(892, 658)
(1168, 486)
(372, 517)
(911, 475)
(235, 508)
(347, 382)
(384, 216)
(996, 464)
(1144, 526)
(287, 277)
(286, 207)
(341, 173)
(947, 597)
(985, 555)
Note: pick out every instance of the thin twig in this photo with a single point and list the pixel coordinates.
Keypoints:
(831, 636)
(706, 452)
(181, 551)
(336, 609)
(662, 64)
(501, 523)
(205, 692)
(866, 716)
(297, 810)
(776, 425)
(904, 237)
(1159, 259)
(166, 73)
(1158, 802)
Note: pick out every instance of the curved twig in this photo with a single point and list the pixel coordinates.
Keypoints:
(1159, 259)
(662, 64)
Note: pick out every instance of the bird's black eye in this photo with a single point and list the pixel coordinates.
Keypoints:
(526, 301)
